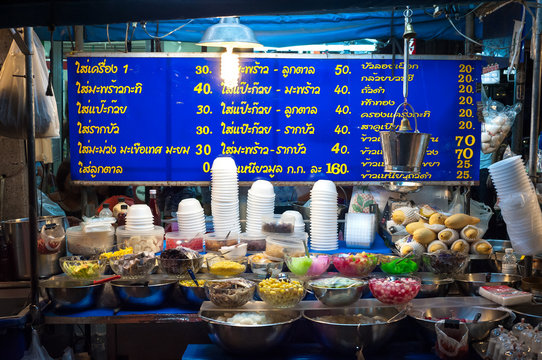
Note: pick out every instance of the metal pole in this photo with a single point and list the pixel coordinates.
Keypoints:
(405, 69)
(535, 103)
(31, 167)
(469, 31)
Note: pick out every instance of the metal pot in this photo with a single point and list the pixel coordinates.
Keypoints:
(17, 235)
(434, 285)
(469, 284)
(75, 295)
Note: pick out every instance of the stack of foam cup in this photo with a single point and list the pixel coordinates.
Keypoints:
(359, 230)
(190, 217)
(260, 202)
(225, 196)
(139, 218)
(299, 226)
(519, 205)
(323, 206)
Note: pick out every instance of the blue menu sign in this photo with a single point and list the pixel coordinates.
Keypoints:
(165, 118)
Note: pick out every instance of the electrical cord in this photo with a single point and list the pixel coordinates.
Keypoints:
(144, 26)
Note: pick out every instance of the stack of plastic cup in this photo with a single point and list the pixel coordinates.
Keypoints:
(360, 230)
(225, 196)
(324, 233)
(260, 202)
(190, 217)
(299, 226)
(139, 218)
(519, 205)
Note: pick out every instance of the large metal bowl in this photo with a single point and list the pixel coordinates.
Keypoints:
(532, 313)
(72, 295)
(490, 318)
(147, 294)
(338, 296)
(434, 285)
(348, 338)
(246, 339)
(469, 284)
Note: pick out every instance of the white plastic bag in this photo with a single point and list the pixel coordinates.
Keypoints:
(36, 351)
(483, 212)
(13, 117)
(452, 343)
(457, 205)
(498, 120)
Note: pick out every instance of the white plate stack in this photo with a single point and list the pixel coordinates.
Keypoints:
(359, 230)
(519, 205)
(260, 202)
(190, 217)
(225, 196)
(139, 218)
(324, 235)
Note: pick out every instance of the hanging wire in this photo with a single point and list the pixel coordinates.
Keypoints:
(144, 26)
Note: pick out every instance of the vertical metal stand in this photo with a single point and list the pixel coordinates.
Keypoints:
(535, 102)
(31, 167)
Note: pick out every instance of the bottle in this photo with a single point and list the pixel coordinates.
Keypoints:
(105, 211)
(121, 217)
(117, 208)
(153, 204)
(509, 262)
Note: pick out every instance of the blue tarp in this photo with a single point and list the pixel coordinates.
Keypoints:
(286, 30)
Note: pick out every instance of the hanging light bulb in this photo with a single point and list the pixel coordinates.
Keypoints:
(229, 68)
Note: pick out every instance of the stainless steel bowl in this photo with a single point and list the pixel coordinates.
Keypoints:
(338, 296)
(532, 313)
(72, 294)
(434, 285)
(245, 339)
(151, 293)
(348, 338)
(490, 318)
(469, 284)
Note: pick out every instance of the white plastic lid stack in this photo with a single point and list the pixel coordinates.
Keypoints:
(260, 202)
(519, 205)
(324, 214)
(225, 196)
(190, 217)
(360, 230)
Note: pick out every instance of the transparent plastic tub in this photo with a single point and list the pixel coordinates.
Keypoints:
(277, 246)
(147, 240)
(278, 224)
(89, 243)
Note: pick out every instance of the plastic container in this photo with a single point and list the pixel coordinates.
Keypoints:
(175, 239)
(214, 242)
(147, 240)
(91, 243)
(255, 242)
(279, 245)
(278, 224)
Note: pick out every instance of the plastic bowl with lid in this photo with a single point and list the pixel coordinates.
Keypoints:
(359, 264)
(394, 289)
(230, 293)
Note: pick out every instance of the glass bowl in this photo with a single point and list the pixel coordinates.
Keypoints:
(360, 264)
(230, 293)
(177, 261)
(315, 265)
(220, 266)
(281, 293)
(445, 262)
(79, 268)
(396, 265)
(394, 289)
(133, 265)
(260, 265)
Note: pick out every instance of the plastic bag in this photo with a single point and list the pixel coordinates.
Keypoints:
(498, 119)
(47, 207)
(36, 351)
(13, 117)
(483, 212)
(457, 206)
(363, 197)
(452, 343)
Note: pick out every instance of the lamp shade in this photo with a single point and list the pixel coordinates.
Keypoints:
(229, 32)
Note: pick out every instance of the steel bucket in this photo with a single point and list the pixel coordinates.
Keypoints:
(403, 151)
(17, 235)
